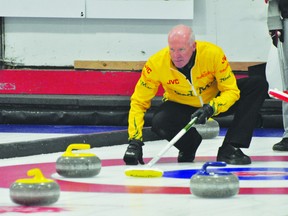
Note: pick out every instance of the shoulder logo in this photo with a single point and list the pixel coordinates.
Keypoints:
(148, 69)
(224, 59)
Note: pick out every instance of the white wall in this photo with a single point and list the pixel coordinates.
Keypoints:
(238, 26)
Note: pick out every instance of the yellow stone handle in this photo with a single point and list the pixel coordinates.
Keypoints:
(78, 146)
(37, 173)
(38, 177)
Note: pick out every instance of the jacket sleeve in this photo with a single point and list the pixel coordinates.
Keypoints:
(273, 15)
(145, 90)
(227, 85)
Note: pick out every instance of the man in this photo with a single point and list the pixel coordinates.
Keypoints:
(277, 21)
(198, 82)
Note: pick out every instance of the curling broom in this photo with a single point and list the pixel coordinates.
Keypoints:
(281, 95)
(275, 93)
(149, 172)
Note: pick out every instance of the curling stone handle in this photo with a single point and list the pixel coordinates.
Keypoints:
(218, 164)
(77, 147)
(36, 173)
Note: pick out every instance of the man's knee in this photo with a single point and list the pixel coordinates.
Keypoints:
(161, 126)
(259, 83)
(256, 84)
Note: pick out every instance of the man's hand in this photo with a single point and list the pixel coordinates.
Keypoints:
(276, 34)
(134, 153)
(203, 114)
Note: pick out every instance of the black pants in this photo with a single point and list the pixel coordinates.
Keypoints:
(171, 117)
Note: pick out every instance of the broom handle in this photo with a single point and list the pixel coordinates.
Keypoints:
(172, 142)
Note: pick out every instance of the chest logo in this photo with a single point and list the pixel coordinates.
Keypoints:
(171, 82)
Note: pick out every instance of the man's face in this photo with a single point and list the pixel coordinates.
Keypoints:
(181, 50)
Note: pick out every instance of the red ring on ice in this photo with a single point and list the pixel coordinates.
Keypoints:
(12, 173)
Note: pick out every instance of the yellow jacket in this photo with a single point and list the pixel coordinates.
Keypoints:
(210, 74)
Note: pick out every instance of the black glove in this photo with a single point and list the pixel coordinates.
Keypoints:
(203, 114)
(275, 35)
(134, 153)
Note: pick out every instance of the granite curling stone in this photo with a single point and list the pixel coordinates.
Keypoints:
(209, 130)
(37, 191)
(78, 165)
(214, 184)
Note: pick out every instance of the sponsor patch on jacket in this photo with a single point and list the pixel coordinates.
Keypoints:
(189, 93)
(174, 81)
(144, 84)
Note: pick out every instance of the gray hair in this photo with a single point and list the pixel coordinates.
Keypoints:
(191, 33)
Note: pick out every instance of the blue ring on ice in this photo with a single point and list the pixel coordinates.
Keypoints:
(248, 173)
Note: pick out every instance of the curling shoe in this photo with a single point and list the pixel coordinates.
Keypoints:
(133, 154)
(232, 155)
(282, 145)
(184, 157)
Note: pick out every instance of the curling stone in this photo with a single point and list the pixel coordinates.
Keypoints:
(209, 130)
(80, 165)
(214, 184)
(34, 191)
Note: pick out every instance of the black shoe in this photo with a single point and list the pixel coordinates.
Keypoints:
(232, 155)
(282, 145)
(183, 158)
(133, 155)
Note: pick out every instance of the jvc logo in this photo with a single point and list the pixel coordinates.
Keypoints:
(171, 82)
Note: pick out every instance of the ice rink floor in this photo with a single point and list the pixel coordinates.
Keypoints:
(263, 184)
